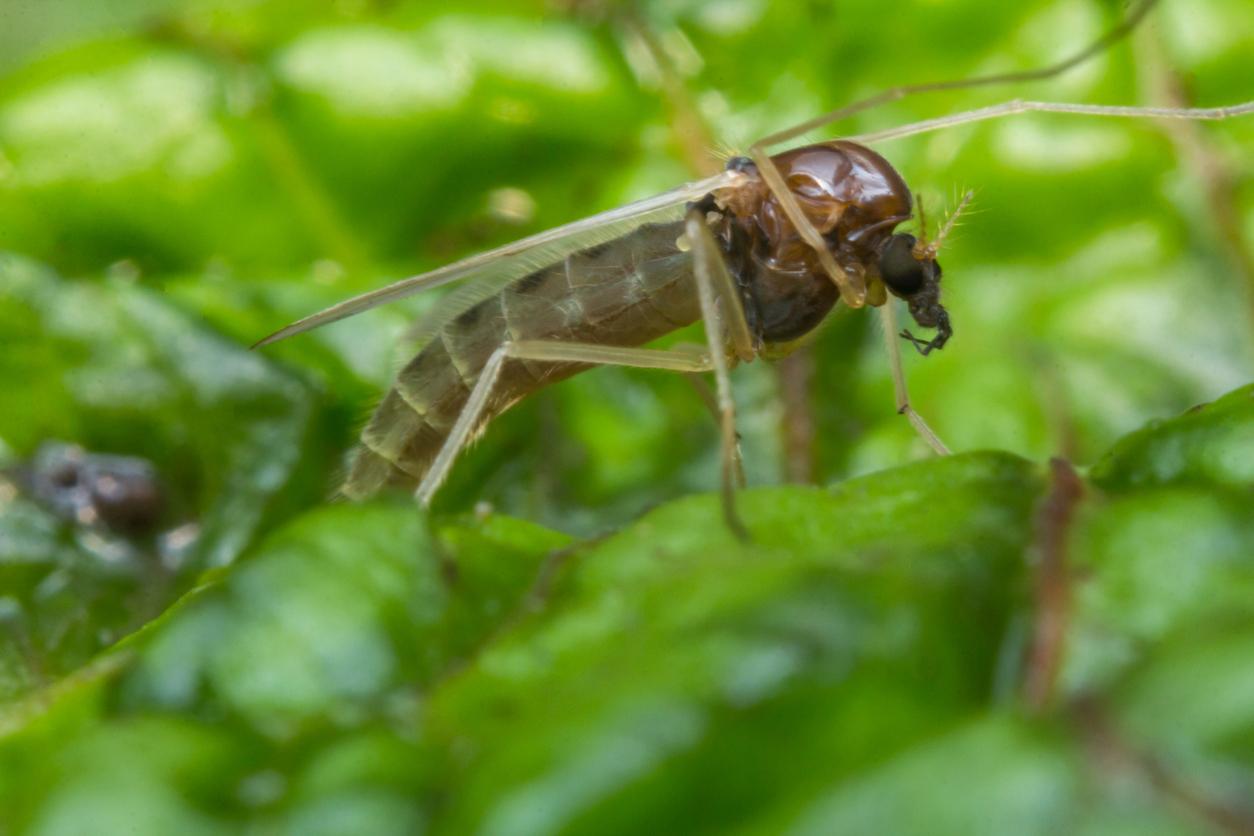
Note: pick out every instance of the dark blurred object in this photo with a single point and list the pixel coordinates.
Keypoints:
(121, 493)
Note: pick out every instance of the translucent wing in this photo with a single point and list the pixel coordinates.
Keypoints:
(468, 294)
(496, 268)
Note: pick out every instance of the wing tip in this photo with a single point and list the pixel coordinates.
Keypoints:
(268, 339)
(300, 326)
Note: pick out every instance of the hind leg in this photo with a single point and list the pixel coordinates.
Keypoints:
(725, 326)
(687, 361)
(889, 320)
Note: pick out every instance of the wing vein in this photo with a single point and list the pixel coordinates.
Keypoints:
(558, 243)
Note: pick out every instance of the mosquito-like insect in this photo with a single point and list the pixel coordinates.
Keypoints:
(760, 252)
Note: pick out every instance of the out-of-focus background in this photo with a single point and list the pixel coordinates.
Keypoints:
(178, 179)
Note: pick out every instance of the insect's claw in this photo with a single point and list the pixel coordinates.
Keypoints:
(918, 344)
(924, 347)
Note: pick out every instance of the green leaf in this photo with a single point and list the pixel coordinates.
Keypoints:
(863, 647)
(336, 611)
(115, 369)
(1211, 444)
(179, 179)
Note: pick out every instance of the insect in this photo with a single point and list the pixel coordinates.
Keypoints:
(760, 252)
(119, 492)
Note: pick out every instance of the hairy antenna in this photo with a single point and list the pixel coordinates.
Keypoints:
(951, 221)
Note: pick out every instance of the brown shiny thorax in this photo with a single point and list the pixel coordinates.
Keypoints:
(852, 196)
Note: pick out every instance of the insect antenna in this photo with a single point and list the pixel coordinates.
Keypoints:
(951, 221)
(724, 151)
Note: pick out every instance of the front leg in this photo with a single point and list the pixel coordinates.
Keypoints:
(899, 382)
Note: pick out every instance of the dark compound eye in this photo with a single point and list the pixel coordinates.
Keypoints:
(903, 274)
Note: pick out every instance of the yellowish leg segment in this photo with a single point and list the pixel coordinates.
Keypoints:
(1209, 114)
(852, 288)
(682, 359)
(551, 351)
(889, 322)
(711, 272)
(1120, 30)
(726, 328)
(723, 323)
(706, 394)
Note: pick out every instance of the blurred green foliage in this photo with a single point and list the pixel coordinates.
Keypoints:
(178, 179)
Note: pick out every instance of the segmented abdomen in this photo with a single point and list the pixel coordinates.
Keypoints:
(625, 292)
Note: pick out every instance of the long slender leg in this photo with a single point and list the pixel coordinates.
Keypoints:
(708, 268)
(679, 360)
(693, 134)
(1130, 22)
(711, 269)
(462, 427)
(889, 321)
(853, 291)
(706, 394)
(852, 288)
(723, 324)
(689, 359)
(1014, 106)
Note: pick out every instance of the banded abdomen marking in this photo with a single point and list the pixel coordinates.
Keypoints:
(626, 292)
